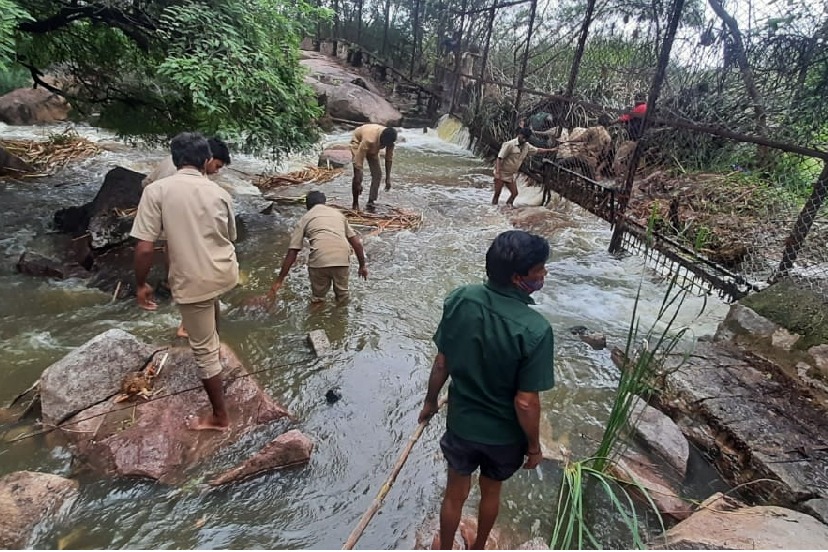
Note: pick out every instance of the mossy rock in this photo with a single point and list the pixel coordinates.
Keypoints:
(797, 309)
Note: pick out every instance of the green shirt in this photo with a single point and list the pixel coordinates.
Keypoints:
(495, 346)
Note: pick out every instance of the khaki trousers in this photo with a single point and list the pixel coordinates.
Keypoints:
(322, 278)
(201, 322)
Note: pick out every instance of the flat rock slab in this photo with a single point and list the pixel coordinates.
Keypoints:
(319, 342)
(289, 449)
(661, 436)
(637, 470)
(149, 438)
(27, 499)
(723, 525)
(753, 422)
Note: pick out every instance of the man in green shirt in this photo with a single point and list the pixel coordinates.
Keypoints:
(499, 354)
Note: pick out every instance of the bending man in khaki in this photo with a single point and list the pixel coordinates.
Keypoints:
(331, 239)
(198, 219)
(366, 143)
(511, 156)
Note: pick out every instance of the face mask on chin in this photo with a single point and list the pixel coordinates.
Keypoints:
(529, 286)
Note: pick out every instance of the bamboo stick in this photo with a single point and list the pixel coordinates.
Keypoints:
(375, 505)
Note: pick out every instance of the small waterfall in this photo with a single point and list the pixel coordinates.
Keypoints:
(451, 129)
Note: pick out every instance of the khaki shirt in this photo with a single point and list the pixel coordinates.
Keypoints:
(512, 155)
(198, 219)
(366, 142)
(164, 169)
(328, 232)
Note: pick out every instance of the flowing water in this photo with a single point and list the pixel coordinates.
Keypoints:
(381, 357)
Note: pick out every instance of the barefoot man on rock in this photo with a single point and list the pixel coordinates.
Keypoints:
(198, 219)
(498, 353)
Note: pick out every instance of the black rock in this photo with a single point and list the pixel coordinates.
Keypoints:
(333, 395)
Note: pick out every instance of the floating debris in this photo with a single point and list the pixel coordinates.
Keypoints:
(308, 174)
(50, 155)
(394, 219)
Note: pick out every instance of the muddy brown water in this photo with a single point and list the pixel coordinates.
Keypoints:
(382, 353)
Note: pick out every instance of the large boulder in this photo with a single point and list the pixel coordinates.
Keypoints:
(353, 103)
(146, 437)
(107, 218)
(90, 374)
(26, 500)
(33, 263)
(121, 191)
(289, 449)
(12, 165)
(335, 157)
(725, 524)
(31, 106)
(346, 93)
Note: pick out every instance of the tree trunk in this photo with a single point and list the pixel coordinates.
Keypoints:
(579, 51)
(385, 29)
(415, 38)
(525, 62)
(747, 74)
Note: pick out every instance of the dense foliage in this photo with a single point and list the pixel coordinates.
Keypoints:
(152, 68)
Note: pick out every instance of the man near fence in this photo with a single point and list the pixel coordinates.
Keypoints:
(499, 355)
(331, 239)
(508, 162)
(198, 219)
(366, 143)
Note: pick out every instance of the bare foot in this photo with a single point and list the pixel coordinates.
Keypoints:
(206, 422)
(181, 332)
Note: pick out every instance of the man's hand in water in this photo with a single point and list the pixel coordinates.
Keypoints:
(145, 298)
(387, 184)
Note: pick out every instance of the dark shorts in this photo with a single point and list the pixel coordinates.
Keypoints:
(497, 462)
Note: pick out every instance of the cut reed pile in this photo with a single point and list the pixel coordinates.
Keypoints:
(394, 219)
(50, 155)
(308, 174)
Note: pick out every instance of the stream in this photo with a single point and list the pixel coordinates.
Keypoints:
(382, 353)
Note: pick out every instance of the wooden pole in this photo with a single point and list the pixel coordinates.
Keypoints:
(385, 29)
(489, 27)
(525, 62)
(579, 51)
(375, 505)
(416, 32)
(655, 90)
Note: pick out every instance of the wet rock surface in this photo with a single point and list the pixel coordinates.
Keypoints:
(753, 421)
(147, 437)
(725, 524)
(636, 469)
(289, 449)
(26, 500)
(661, 436)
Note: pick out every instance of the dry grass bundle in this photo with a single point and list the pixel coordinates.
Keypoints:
(48, 156)
(308, 174)
(394, 219)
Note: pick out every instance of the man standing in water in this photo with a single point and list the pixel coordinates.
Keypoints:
(508, 163)
(366, 143)
(331, 239)
(499, 354)
(220, 159)
(198, 219)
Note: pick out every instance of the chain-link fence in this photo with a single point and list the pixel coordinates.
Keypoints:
(697, 126)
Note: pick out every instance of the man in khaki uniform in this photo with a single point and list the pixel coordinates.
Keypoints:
(198, 219)
(366, 143)
(508, 163)
(221, 158)
(331, 239)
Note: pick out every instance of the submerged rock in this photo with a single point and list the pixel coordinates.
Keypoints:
(26, 500)
(32, 263)
(143, 437)
(635, 469)
(335, 157)
(289, 449)
(725, 524)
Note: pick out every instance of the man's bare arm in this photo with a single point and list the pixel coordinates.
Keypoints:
(527, 408)
(436, 380)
